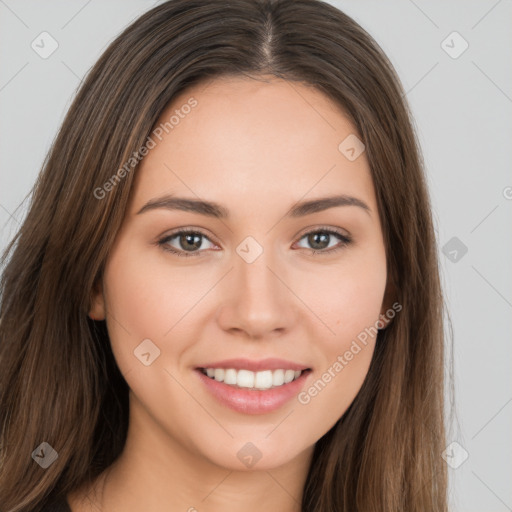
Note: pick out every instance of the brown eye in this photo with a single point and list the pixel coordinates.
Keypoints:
(188, 242)
(320, 241)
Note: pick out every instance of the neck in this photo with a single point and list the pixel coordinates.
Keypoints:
(155, 472)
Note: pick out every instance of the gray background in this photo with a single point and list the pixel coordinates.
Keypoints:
(462, 108)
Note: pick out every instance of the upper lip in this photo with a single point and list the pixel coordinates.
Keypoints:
(255, 366)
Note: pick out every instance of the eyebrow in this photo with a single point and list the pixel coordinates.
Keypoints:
(212, 209)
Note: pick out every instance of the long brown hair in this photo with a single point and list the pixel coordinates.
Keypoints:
(59, 382)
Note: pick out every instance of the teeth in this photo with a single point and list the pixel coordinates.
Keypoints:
(230, 376)
(245, 379)
(278, 378)
(289, 375)
(265, 379)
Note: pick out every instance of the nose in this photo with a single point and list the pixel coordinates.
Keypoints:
(258, 301)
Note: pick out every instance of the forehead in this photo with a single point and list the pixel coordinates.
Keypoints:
(251, 140)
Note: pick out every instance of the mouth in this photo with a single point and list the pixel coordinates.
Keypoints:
(247, 379)
(252, 387)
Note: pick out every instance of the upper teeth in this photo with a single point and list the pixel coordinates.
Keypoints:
(256, 380)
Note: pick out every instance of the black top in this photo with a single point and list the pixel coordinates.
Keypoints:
(57, 506)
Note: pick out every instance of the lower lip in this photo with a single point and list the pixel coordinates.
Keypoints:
(253, 401)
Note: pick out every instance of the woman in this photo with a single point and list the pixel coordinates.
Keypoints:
(225, 293)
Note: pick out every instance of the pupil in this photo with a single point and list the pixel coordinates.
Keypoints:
(189, 238)
(315, 236)
(317, 240)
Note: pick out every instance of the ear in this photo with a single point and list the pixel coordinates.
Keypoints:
(97, 307)
(390, 297)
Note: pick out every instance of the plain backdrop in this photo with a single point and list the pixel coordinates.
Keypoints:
(454, 60)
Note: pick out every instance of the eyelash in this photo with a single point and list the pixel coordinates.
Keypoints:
(345, 241)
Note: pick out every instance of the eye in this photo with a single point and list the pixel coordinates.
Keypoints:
(320, 240)
(190, 241)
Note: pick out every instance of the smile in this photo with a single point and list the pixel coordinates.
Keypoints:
(253, 392)
(266, 379)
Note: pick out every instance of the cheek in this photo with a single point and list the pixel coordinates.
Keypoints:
(142, 302)
(346, 358)
(327, 397)
(350, 307)
(149, 297)
(145, 292)
(347, 296)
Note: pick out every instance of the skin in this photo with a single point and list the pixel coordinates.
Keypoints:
(256, 148)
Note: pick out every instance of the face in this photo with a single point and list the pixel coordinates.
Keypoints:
(259, 290)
